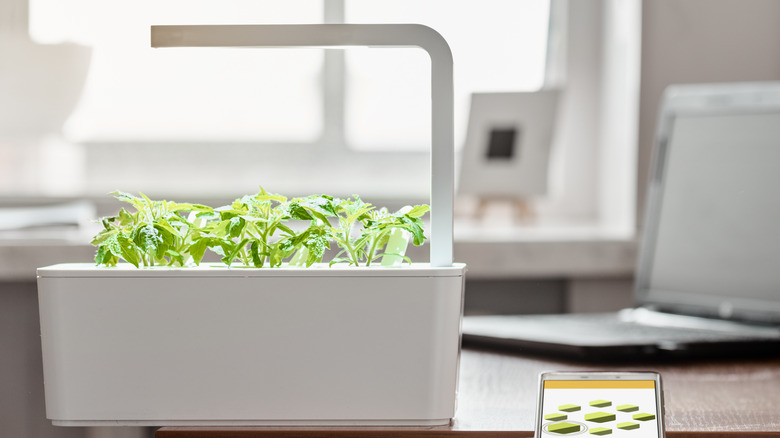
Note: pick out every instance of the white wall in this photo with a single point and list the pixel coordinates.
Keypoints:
(687, 41)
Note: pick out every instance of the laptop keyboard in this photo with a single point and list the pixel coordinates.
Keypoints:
(636, 326)
(609, 326)
(613, 328)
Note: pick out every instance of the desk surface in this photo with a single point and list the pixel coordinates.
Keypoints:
(497, 398)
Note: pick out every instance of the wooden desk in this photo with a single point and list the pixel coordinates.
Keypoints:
(497, 398)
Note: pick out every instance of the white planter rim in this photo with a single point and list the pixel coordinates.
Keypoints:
(221, 270)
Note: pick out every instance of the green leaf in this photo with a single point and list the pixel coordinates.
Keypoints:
(220, 247)
(415, 226)
(126, 218)
(147, 238)
(356, 209)
(147, 201)
(107, 221)
(127, 249)
(317, 245)
(167, 240)
(297, 211)
(232, 251)
(255, 253)
(167, 230)
(211, 214)
(220, 228)
(126, 197)
(105, 257)
(418, 211)
(198, 249)
(262, 195)
(101, 255)
(235, 226)
(285, 229)
(279, 251)
(319, 206)
(101, 237)
(187, 207)
(175, 257)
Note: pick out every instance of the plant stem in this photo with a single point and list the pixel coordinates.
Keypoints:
(350, 249)
(264, 246)
(372, 249)
(242, 251)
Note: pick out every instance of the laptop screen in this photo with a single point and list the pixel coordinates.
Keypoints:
(711, 243)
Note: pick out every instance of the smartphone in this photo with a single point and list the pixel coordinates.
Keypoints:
(594, 404)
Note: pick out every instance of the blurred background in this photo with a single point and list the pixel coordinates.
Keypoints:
(87, 107)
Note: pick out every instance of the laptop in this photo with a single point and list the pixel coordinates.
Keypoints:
(708, 273)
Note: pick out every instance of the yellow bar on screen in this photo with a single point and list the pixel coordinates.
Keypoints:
(571, 384)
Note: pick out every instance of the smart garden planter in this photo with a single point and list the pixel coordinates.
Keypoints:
(218, 345)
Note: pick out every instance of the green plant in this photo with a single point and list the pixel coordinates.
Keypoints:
(378, 229)
(156, 233)
(256, 230)
(245, 229)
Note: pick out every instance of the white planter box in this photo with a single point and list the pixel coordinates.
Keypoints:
(222, 346)
(217, 345)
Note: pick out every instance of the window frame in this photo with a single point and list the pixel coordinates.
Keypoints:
(275, 158)
(596, 137)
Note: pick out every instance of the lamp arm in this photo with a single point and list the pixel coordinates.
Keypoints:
(372, 35)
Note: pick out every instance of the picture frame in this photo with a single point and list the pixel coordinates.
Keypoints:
(506, 154)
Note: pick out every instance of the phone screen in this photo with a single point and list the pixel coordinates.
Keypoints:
(615, 408)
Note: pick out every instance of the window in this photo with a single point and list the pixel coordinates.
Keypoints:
(137, 94)
(359, 100)
(220, 121)
(497, 45)
(152, 127)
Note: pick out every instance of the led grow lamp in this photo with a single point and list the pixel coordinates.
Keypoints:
(359, 35)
